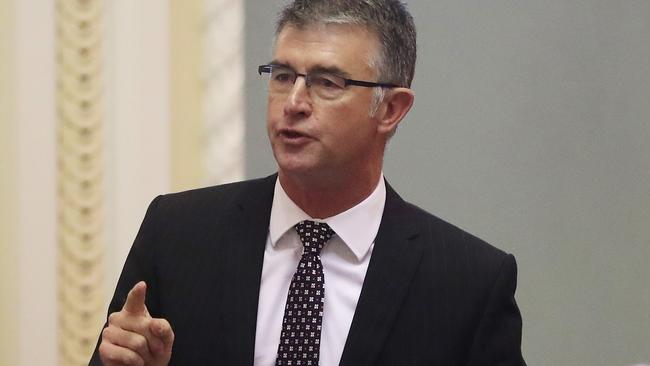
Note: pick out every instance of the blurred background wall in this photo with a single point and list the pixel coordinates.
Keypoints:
(530, 130)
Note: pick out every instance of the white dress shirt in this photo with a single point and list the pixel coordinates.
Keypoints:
(345, 260)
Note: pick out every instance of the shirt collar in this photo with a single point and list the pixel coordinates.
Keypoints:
(357, 227)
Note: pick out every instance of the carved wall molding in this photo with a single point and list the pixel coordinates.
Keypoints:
(81, 165)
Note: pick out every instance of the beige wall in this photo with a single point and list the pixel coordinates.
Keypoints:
(186, 51)
(27, 184)
(8, 234)
(27, 213)
(137, 120)
(155, 141)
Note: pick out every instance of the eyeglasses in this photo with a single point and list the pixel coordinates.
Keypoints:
(325, 85)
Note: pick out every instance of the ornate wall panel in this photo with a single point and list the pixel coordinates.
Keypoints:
(223, 81)
(80, 178)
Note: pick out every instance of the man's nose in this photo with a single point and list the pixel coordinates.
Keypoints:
(298, 100)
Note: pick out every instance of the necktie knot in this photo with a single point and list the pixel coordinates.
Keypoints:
(313, 235)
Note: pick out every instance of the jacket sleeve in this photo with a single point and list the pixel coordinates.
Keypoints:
(139, 266)
(497, 340)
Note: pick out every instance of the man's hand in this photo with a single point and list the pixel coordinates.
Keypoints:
(133, 337)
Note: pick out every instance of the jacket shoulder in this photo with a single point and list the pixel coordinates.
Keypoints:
(214, 199)
(454, 241)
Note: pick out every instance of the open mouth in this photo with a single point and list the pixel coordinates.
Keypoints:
(292, 134)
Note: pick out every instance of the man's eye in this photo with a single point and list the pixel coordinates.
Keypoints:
(326, 82)
(282, 76)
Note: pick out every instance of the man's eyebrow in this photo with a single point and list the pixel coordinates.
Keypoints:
(330, 70)
(279, 63)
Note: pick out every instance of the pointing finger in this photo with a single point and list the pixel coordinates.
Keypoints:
(135, 299)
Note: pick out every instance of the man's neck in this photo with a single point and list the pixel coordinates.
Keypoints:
(321, 199)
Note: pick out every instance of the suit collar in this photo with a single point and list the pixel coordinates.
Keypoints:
(366, 214)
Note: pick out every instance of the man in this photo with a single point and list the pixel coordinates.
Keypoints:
(322, 263)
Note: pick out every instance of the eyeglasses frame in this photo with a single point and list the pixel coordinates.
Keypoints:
(267, 68)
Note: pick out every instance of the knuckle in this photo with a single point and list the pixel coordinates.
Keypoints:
(129, 359)
(140, 344)
(134, 360)
(106, 333)
(164, 326)
(113, 317)
(106, 354)
(103, 351)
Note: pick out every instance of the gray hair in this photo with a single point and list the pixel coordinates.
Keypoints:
(388, 19)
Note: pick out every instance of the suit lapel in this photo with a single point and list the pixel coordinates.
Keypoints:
(395, 257)
(245, 237)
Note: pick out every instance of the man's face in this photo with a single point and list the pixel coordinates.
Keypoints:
(315, 138)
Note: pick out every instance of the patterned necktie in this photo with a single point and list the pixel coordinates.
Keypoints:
(303, 314)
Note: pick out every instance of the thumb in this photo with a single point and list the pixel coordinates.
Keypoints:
(163, 331)
(135, 299)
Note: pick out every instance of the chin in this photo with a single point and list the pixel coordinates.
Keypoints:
(294, 168)
(299, 168)
(292, 158)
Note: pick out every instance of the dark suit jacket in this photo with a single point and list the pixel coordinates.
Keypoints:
(433, 294)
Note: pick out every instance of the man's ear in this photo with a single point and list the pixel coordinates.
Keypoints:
(396, 104)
